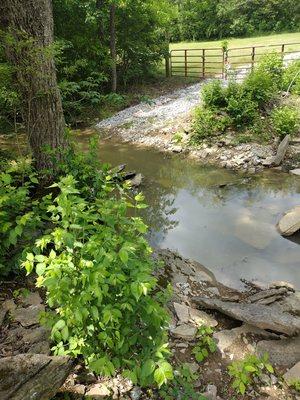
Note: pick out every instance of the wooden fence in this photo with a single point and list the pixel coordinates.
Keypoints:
(215, 62)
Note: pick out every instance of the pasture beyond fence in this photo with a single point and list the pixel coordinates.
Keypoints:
(221, 63)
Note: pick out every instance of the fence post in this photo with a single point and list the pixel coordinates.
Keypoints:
(252, 58)
(167, 64)
(282, 51)
(185, 62)
(203, 63)
(226, 63)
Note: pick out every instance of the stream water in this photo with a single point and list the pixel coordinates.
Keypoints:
(224, 220)
(230, 229)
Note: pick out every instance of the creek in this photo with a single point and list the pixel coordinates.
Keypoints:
(222, 219)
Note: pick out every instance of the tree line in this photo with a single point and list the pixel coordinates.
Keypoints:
(216, 19)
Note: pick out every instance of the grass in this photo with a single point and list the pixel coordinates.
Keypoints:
(214, 54)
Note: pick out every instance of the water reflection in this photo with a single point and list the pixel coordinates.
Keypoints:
(220, 218)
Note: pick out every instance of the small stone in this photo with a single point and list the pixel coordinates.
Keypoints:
(9, 305)
(28, 316)
(211, 392)
(32, 299)
(290, 222)
(193, 367)
(136, 393)
(98, 391)
(295, 171)
(202, 318)
(182, 312)
(187, 332)
(293, 374)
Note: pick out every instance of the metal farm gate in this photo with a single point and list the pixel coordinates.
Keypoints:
(203, 63)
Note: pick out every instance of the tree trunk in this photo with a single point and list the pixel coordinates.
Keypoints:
(113, 55)
(30, 24)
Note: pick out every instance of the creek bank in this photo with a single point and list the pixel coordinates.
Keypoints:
(158, 124)
(190, 281)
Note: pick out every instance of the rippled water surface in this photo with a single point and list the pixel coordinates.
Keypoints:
(229, 229)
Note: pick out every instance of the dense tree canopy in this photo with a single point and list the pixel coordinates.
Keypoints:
(198, 19)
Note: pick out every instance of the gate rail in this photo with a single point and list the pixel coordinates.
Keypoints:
(217, 62)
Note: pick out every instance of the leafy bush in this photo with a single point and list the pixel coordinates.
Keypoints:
(208, 123)
(243, 371)
(181, 387)
(242, 109)
(20, 216)
(205, 345)
(262, 85)
(97, 268)
(285, 120)
(291, 78)
(214, 95)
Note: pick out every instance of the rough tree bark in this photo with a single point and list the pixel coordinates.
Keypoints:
(113, 54)
(30, 24)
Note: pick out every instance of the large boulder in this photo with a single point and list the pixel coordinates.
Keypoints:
(290, 222)
(283, 353)
(259, 315)
(32, 376)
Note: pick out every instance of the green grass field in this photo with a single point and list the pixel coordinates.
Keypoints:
(238, 54)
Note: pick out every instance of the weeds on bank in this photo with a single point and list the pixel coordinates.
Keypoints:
(250, 109)
(244, 371)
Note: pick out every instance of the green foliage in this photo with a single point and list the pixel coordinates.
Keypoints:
(285, 120)
(97, 268)
(208, 19)
(181, 387)
(20, 216)
(207, 123)
(214, 95)
(9, 99)
(291, 78)
(205, 345)
(243, 371)
(262, 85)
(242, 109)
(295, 384)
(177, 138)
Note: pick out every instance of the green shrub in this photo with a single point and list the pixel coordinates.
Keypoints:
(291, 78)
(182, 386)
(206, 343)
(96, 267)
(285, 121)
(244, 371)
(213, 95)
(20, 216)
(263, 84)
(272, 65)
(242, 109)
(208, 123)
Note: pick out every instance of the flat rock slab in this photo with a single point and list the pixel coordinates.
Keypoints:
(290, 222)
(293, 374)
(28, 316)
(262, 316)
(185, 331)
(186, 314)
(32, 376)
(285, 352)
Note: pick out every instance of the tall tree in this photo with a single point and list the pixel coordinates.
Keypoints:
(27, 29)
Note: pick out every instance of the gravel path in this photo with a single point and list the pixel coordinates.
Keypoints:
(143, 122)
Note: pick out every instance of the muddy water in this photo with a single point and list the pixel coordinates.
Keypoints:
(229, 229)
